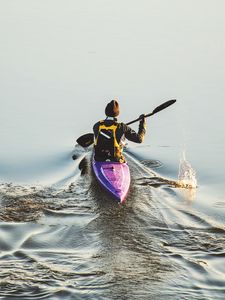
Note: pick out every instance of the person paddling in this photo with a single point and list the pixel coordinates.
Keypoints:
(110, 135)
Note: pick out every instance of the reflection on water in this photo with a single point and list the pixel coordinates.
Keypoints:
(77, 242)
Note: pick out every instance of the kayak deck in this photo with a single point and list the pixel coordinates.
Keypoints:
(114, 177)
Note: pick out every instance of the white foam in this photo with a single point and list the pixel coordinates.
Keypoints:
(186, 175)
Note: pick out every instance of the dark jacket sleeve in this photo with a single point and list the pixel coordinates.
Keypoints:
(132, 135)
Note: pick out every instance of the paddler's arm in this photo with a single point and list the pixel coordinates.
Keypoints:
(132, 135)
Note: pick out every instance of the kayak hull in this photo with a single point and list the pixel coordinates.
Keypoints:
(114, 177)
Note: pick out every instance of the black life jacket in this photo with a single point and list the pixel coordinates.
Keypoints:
(106, 145)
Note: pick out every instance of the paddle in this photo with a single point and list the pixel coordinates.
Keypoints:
(88, 139)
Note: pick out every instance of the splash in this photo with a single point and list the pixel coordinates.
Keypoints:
(187, 175)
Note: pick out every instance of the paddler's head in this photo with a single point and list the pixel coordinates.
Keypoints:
(112, 109)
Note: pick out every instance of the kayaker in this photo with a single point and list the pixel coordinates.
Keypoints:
(110, 135)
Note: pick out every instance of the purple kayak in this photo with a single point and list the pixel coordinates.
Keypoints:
(114, 177)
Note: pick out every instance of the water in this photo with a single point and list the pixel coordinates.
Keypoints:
(61, 236)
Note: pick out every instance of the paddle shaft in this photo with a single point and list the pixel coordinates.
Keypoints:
(156, 110)
(138, 119)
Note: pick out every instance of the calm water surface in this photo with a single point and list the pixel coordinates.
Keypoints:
(61, 235)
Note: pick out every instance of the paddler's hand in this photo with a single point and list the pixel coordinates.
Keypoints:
(143, 123)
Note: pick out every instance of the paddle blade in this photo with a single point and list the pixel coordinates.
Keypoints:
(163, 106)
(86, 140)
